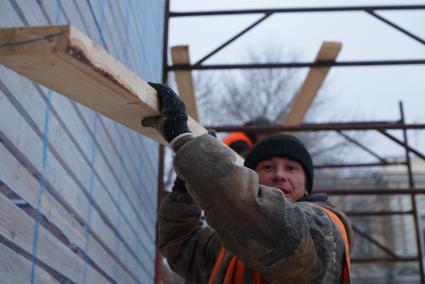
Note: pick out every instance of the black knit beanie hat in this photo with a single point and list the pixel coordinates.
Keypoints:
(282, 145)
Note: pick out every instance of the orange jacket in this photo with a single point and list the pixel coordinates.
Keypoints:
(236, 272)
(237, 136)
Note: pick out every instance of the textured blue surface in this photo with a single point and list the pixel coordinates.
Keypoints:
(103, 173)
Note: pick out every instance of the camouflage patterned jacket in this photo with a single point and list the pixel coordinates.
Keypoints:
(285, 242)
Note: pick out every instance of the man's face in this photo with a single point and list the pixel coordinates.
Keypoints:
(285, 174)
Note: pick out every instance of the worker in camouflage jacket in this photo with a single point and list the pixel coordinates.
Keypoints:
(264, 226)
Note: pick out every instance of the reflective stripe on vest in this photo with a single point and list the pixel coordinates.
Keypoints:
(237, 136)
(236, 271)
(343, 231)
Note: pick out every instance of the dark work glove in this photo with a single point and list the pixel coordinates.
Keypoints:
(173, 119)
(212, 132)
(180, 191)
(179, 185)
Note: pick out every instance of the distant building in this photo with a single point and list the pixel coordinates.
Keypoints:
(395, 232)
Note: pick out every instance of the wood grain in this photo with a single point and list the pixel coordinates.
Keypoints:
(18, 228)
(65, 60)
(21, 180)
(14, 268)
(184, 79)
(314, 80)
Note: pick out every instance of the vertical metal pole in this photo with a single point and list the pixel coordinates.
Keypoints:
(165, 42)
(412, 197)
(160, 193)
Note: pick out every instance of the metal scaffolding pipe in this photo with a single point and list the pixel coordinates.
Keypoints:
(165, 42)
(413, 197)
(377, 243)
(407, 147)
(296, 10)
(361, 146)
(359, 165)
(384, 259)
(238, 35)
(379, 126)
(377, 213)
(318, 127)
(370, 191)
(397, 27)
(297, 64)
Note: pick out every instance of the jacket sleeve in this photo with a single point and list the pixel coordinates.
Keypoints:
(280, 239)
(190, 249)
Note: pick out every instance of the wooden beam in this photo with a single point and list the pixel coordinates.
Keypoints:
(27, 188)
(68, 62)
(184, 79)
(65, 60)
(314, 80)
(17, 228)
(17, 269)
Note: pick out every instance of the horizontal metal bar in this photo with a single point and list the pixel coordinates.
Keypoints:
(296, 10)
(383, 259)
(296, 64)
(358, 165)
(318, 127)
(370, 191)
(377, 213)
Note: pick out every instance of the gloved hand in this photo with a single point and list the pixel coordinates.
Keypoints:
(180, 191)
(179, 185)
(212, 132)
(173, 119)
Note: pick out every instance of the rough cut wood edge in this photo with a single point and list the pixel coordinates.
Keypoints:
(184, 80)
(65, 60)
(314, 80)
(68, 62)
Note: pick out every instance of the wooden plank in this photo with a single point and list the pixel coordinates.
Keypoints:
(27, 188)
(125, 229)
(65, 60)
(14, 268)
(184, 79)
(70, 152)
(110, 181)
(59, 107)
(314, 80)
(59, 181)
(18, 228)
(23, 183)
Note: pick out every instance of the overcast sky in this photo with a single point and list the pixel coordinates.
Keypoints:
(366, 93)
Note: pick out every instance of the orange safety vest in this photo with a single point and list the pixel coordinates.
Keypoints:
(235, 272)
(237, 136)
